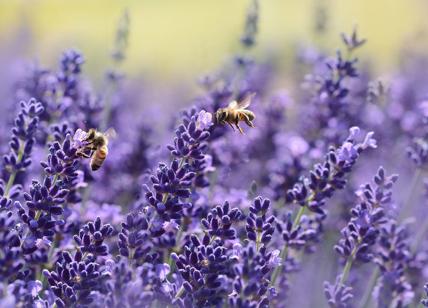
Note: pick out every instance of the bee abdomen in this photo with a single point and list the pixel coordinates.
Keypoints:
(250, 115)
(102, 152)
(96, 164)
(98, 158)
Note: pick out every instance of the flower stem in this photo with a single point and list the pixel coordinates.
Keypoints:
(284, 252)
(348, 265)
(181, 163)
(421, 233)
(12, 176)
(177, 241)
(179, 292)
(106, 113)
(165, 198)
(24, 238)
(369, 290)
(258, 240)
(408, 202)
(10, 183)
(299, 216)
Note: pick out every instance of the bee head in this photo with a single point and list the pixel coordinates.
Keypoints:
(91, 134)
(221, 115)
(99, 140)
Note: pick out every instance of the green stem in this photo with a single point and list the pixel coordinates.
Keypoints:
(10, 183)
(408, 202)
(165, 198)
(85, 255)
(131, 260)
(369, 290)
(106, 113)
(178, 238)
(41, 277)
(284, 252)
(12, 176)
(419, 236)
(347, 268)
(54, 245)
(258, 240)
(24, 238)
(182, 160)
(299, 216)
(55, 178)
(177, 241)
(179, 292)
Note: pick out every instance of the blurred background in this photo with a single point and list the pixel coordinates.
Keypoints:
(177, 41)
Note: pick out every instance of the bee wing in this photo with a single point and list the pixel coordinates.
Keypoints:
(233, 105)
(110, 133)
(246, 101)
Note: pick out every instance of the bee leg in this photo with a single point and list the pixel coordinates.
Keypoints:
(84, 155)
(240, 129)
(230, 124)
(247, 121)
(237, 126)
(84, 152)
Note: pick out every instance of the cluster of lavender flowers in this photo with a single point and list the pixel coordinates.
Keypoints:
(202, 216)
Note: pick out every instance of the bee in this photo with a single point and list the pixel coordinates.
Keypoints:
(96, 143)
(236, 112)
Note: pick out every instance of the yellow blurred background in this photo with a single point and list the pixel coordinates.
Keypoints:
(185, 38)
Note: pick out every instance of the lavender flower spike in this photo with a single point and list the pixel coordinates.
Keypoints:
(362, 232)
(324, 180)
(22, 141)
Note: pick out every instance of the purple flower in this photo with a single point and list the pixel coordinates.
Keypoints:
(75, 278)
(174, 218)
(21, 146)
(79, 138)
(35, 287)
(352, 41)
(92, 236)
(162, 270)
(204, 120)
(275, 259)
(338, 295)
(359, 237)
(43, 243)
(297, 146)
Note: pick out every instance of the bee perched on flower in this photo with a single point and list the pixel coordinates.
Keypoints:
(93, 144)
(236, 112)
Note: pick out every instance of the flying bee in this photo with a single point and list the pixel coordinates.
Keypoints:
(236, 112)
(96, 146)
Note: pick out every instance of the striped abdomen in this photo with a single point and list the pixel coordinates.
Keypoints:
(99, 157)
(247, 116)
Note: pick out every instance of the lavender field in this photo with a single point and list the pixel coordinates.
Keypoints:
(297, 182)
